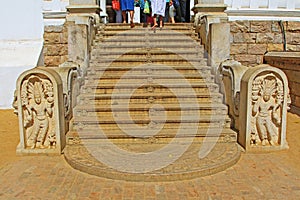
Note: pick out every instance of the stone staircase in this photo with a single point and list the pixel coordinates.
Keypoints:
(146, 90)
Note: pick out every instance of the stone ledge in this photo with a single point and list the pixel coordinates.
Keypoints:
(283, 56)
(84, 9)
(209, 7)
(263, 13)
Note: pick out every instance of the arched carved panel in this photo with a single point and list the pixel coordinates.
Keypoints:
(263, 109)
(39, 105)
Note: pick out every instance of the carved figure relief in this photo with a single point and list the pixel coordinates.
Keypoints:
(37, 99)
(267, 100)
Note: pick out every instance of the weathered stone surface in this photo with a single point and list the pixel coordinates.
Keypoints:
(275, 27)
(275, 47)
(278, 38)
(52, 38)
(244, 38)
(292, 47)
(240, 26)
(296, 100)
(256, 49)
(56, 45)
(265, 38)
(55, 29)
(293, 26)
(251, 59)
(295, 87)
(55, 50)
(54, 60)
(259, 59)
(260, 26)
(293, 38)
(238, 49)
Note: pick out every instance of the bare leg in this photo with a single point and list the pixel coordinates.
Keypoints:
(131, 13)
(124, 16)
(160, 21)
(172, 20)
(154, 21)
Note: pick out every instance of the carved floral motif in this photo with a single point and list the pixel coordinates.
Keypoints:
(267, 100)
(37, 99)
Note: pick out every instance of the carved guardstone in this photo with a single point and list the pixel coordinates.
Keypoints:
(39, 104)
(264, 102)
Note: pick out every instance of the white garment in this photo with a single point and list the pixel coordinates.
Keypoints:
(158, 7)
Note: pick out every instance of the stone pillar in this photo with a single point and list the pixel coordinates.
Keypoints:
(264, 101)
(82, 21)
(219, 44)
(79, 41)
(212, 24)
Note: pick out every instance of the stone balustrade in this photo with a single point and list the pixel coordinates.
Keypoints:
(258, 100)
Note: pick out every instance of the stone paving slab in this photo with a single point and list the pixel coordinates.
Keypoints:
(256, 176)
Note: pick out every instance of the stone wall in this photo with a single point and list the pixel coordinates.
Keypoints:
(55, 45)
(250, 40)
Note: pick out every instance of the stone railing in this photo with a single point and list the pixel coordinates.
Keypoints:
(258, 99)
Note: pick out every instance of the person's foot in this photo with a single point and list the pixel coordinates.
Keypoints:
(154, 26)
(131, 24)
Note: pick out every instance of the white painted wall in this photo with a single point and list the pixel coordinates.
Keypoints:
(263, 4)
(21, 34)
(21, 19)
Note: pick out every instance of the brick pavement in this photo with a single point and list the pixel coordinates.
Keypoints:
(255, 176)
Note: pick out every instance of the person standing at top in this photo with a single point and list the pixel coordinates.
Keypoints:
(158, 10)
(127, 5)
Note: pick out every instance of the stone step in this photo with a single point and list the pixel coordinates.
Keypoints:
(177, 158)
(148, 84)
(174, 48)
(154, 98)
(81, 122)
(124, 27)
(150, 68)
(163, 44)
(178, 132)
(151, 110)
(112, 62)
(144, 37)
(147, 57)
(99, 53)
(144, 88)
(193, 76)
(145, 117)
(167, 34)
(146, 107)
